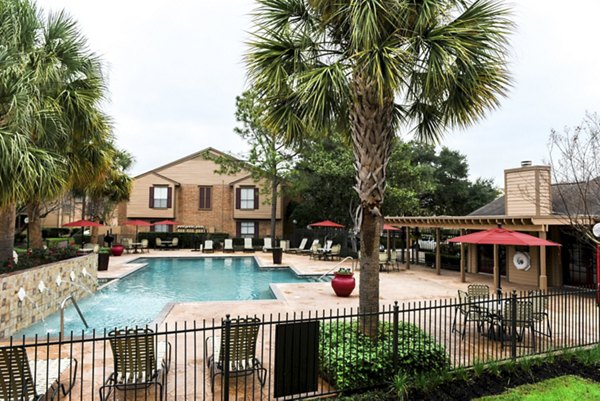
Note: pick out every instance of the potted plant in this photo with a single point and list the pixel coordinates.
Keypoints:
(343, 282)
(117, 249)
(103, 257)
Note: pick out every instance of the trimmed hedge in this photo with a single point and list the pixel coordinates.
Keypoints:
(350, 361)
(450, 262)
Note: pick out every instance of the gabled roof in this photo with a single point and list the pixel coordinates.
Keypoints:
(186, 158)
(153, 172)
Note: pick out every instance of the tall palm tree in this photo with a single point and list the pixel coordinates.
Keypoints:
(24, 168)
(68, 81)
(372, 68)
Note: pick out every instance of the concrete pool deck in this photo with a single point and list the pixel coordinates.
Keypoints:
(417, 284)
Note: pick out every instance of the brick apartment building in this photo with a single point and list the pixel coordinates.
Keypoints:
(190, 192)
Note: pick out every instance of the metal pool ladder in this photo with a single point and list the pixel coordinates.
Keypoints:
(63, 304)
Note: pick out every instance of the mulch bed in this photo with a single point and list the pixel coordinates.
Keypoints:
(489, 384)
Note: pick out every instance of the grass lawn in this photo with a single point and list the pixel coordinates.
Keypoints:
(564, 388)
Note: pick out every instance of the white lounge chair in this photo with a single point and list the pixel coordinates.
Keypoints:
(208, 246)
(300, 247)
(228, 245)
(268, 244)
(248, 245)
(313, 247)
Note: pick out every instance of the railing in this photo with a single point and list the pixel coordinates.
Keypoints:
(287, 357)
(63, 305)
(337, 264)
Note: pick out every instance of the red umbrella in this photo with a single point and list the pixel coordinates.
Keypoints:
(502, 236)
(326, 223)
(82, 223)
(137, 224)
(388, 227)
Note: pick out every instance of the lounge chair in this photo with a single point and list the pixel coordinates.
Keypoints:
(248, 245)
(208, 246)
(242, 351)
(300, 247)
(228, 245)
(268, 244)
(18, 383)
(139, 362)
(284, 245)
(314, 246)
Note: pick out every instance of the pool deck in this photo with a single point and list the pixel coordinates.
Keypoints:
(417, 284)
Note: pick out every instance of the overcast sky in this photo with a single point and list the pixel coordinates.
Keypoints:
(174, 70)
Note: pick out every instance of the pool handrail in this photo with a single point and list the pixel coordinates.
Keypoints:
(337, 264)
(62, 313)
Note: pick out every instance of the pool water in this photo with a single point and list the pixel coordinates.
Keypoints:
(138, 298)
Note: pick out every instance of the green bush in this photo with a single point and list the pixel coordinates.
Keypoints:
(38, 257)
(349, 360)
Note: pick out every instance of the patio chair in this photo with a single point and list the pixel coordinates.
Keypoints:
(126, 242)
(284, 244)
(18, 383)
(335, 253)
(159, 244)
(242, 351)
(208, 246)
(523, 320)
(248, 247)
(468, 311)
(268, 244)
(144, 246)
(479, 291)
(300, 247)
(539, 302)
(228, 245)
(140, 361)
(174, 243)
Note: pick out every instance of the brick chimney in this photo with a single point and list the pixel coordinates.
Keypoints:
(527, 190)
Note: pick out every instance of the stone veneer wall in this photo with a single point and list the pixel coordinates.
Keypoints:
(16, 314)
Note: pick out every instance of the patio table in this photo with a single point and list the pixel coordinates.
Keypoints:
(136, 246)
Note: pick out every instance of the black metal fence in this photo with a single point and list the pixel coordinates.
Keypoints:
(296, 355)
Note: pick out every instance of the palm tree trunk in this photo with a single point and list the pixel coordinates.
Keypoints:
(372, 135)
(8, 214)
(35, 226)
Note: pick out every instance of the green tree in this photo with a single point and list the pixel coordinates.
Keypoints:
(269, 157)
(67, 79)
(370, 68)
(24, 167)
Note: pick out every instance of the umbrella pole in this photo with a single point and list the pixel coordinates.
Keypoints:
(497, 271)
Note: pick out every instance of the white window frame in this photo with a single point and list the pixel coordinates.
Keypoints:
(247, 198)
(247, 229)
(161, 202)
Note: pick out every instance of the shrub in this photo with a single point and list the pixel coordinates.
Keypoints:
(37, 257)
(349, 360)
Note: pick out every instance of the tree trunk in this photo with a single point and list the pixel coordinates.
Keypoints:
(8, 215)
(372, 135)
(273, 210)
(35, 226)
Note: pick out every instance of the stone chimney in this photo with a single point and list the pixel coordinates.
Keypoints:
(527, 190)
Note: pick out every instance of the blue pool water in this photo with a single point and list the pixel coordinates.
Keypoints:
(138, 298)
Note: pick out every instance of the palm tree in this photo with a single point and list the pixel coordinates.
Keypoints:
(24, 168)
(68, 81)
(371, 68)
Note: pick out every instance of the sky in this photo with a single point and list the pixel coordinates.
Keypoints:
(175, 68)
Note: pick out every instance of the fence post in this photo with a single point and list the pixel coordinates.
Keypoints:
(395, 341)
(513, 322)
(227, 333)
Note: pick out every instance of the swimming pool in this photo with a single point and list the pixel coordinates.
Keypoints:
(138, 298)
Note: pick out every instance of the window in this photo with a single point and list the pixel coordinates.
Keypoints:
(161, 228)
(205, 198)
(246, 198)
(247, 229)
(160, 197)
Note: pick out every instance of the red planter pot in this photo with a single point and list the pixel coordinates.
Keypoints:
(117, 250)
(343, 284)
